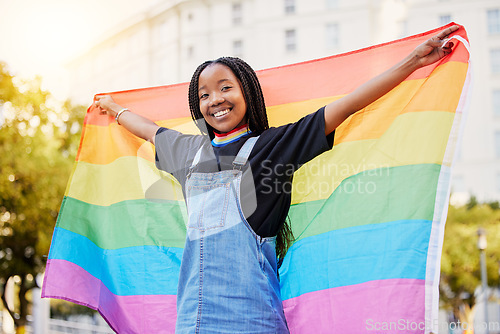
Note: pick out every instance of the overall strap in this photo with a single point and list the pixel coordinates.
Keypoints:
(244, 153)
(239, 161)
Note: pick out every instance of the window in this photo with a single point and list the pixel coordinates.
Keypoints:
(238, 48)
(444, 19)
(190, 51)
(495, 61)
(494, 21)
(496, 102)
(290, 40)
(332, 4)
(497, 144)
(237, 14)
(332, 35)
(289, 6)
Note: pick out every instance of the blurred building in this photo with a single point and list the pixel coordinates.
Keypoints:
(165, 43)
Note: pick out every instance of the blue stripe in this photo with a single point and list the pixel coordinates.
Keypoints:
(356, 255)
(139, 270)
(337, 258)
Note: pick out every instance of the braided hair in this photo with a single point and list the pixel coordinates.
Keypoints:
(256, 115)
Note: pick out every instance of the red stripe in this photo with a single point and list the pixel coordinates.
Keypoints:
(331, 76)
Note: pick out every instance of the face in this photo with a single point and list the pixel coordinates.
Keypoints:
(222, 102)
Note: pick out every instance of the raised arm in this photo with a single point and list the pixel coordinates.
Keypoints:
(425, 54)
(136, 124)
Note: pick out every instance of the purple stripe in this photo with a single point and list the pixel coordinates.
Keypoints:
(388, 306)
(125, 314)
(383, 306)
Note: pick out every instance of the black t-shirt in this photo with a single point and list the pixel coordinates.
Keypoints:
(278, 153)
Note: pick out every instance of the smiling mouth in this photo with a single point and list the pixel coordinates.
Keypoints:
(221, 112)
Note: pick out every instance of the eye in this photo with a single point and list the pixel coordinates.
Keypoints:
(203, 96)
(226, 88)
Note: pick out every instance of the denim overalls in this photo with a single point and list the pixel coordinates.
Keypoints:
(228, 281)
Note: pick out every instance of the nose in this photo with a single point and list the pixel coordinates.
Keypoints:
(216, 99)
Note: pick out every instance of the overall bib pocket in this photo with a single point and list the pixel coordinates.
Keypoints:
(201, 203)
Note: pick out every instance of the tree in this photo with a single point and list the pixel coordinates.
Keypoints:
(38, 142)
(460, 267)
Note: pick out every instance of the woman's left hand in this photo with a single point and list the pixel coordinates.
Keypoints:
(434, 48)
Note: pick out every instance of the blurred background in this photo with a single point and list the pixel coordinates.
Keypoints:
(55, 55)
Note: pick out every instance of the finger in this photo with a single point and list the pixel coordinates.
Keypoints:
(435, 42)
(443, 34)
(448, 45)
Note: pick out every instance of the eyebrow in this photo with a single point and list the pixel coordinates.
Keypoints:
(218, 82)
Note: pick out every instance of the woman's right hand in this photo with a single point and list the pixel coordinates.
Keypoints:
(107, 105)
(136, 124)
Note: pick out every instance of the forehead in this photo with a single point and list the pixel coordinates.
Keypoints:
(216, 73)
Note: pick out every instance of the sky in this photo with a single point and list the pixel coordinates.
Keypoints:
(37, 37)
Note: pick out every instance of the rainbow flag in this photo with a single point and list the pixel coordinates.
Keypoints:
(368, 216)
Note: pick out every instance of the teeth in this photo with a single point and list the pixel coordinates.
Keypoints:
(221, 113)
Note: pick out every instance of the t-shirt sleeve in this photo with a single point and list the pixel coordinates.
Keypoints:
(175, 151)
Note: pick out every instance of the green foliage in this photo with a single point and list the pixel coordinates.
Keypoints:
(472, 202)
(38, 143)
(460, 264)
(495, 205)
(61, 309)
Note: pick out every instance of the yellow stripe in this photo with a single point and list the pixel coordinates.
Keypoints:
(127, 178)
(413, 138)
(183, 125)
(369, 123)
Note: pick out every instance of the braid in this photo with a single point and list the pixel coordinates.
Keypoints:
(256, 115)
(284, 240)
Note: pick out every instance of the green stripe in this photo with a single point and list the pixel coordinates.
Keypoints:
(374, 196)
(126, 224)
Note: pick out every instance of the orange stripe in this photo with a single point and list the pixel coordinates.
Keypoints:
(375, 119)
(371, 122)
(332, 76)
(95, 137)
